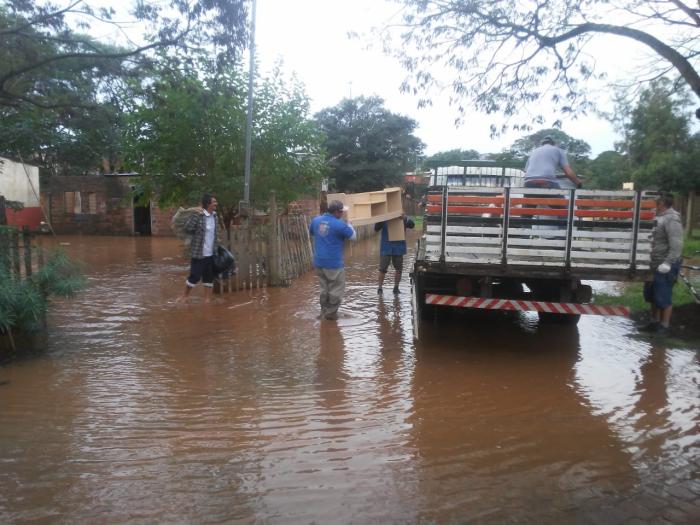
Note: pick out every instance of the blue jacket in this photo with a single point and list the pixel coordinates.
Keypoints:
(388, 247)
(329, 236)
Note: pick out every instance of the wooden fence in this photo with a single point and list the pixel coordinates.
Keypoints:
(272, 253)
(18, 254)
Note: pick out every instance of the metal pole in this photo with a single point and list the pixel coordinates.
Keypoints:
(249, 121)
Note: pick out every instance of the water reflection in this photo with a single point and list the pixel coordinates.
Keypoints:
(255, 410)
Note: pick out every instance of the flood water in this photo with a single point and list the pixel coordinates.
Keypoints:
(253, 410)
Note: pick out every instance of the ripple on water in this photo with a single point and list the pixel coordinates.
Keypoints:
(255, 410)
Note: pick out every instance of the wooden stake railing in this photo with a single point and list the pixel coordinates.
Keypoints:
(17, 252)
(269, 254)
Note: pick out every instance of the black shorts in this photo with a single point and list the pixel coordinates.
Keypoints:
(201, 269)
(395, 260)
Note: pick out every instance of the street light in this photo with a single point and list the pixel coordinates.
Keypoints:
(249, 120)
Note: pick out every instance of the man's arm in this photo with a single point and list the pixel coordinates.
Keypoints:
(349, 232)
(191, 224)
(571, 175)
(674, 231)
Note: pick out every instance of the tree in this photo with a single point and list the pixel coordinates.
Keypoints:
(662, 152)
(608, 171)
(186, 136)
(44, 47)
(576, 149)
(453, 155)
(505, 56)
(370, 147)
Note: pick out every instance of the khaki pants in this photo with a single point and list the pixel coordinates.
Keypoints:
(332, 283)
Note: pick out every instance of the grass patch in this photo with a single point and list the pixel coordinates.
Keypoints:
(691, 244)
(418, 220)
(633, 298)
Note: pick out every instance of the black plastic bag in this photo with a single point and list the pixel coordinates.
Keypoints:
(224, 262)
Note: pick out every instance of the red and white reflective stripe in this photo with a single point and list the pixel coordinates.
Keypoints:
(524, 306)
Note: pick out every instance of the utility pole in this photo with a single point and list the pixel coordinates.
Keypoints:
(249, 120)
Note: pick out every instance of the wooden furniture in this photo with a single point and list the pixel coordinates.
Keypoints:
(373, 207)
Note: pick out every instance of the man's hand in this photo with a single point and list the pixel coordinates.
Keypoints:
(664, 268)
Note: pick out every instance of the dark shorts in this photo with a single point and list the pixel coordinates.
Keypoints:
(201, 269)
(659, 290)
(395, 260)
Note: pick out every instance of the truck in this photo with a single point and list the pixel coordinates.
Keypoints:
(490, 243)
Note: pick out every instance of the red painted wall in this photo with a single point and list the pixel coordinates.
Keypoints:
(31, 217)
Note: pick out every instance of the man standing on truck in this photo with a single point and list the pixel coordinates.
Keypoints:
(391, 252)
(665, 261)
(541, 167)
(329, 233)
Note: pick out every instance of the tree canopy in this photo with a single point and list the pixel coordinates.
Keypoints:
(662, 152)
(575, 148)
(608, 171)
(44, 47)
(63, 93)
(452, 155)
(369, 147)
(186, 136)
(505, 56)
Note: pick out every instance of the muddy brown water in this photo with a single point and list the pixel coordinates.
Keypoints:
(254, 411)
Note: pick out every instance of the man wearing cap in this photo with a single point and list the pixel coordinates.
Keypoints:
(329, 233)
(541, 167)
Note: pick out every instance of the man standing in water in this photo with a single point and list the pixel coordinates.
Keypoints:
(666, 251)
(391, 252)
(202, 225)
(329, 233)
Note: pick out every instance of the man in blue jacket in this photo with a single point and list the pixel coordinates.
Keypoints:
(391, 252)
(329, 233)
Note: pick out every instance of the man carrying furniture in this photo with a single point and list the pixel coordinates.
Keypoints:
(391, 252)
(329, 233)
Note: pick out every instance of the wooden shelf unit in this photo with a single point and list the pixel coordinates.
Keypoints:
(373, 207)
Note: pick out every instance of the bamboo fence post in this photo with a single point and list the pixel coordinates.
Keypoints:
(272, 245)
(27, 241)
(15, 253)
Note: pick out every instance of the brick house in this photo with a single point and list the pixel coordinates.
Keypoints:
(101, 205)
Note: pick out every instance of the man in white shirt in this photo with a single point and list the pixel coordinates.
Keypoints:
(203, 227)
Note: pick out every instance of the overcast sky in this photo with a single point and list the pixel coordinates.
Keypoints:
(310, 36)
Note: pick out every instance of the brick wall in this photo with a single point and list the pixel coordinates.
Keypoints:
(160, 221)
(102, 207)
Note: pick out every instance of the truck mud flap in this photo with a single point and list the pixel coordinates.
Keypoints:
(525, 306)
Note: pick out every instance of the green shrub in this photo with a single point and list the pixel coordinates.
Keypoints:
(23, 302)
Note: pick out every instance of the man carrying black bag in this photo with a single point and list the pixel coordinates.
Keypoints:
(202, 226)
(224, 263)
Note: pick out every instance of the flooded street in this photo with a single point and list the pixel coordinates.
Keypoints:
(253, 410)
